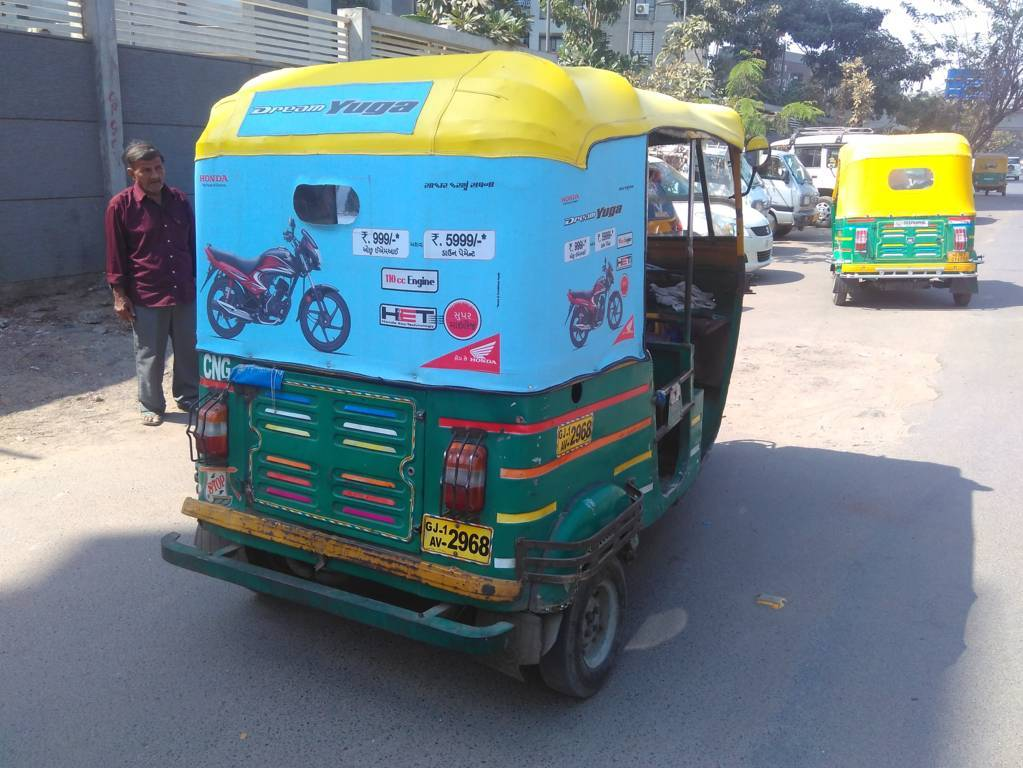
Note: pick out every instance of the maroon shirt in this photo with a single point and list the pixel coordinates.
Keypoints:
(151, 247)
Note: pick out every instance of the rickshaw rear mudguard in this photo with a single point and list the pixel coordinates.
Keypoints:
(429, 626)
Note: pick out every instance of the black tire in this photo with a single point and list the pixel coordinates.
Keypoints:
(783, 230)
(318, 319)
(615, 310)
(224, 325)
(590, 635)
(774, 224)
(962, 299)
(576, 333)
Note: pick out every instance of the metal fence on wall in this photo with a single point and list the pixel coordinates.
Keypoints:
(61, 18)
(252, 30)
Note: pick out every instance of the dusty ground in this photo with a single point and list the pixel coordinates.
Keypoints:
(67, 375)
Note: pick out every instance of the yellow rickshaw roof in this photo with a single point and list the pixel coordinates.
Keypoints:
(866, 168)
(493, 104)
(905, 145)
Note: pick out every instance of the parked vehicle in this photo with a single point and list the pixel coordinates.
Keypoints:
(259, 291)
(464, 473)
(1014, 168)
(667, 199)
(904, 217)
(792, 195)
(817, 149)
(990, 172)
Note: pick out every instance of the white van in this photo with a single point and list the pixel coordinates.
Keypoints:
(817, 149)
(792, 195)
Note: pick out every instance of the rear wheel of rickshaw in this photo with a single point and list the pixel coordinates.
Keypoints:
(962, 299)
(839, 293)
(590, 635)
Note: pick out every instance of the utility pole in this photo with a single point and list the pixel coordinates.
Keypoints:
(101, 30)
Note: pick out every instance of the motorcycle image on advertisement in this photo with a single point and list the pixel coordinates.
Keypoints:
(586, 308)
(259, 290)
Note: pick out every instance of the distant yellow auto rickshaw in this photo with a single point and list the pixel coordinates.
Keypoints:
(904, 216)
(990, 172)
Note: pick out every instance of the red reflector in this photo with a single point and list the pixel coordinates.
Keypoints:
(861, 241)
(211, 432)
(465, 473)
(959, 238)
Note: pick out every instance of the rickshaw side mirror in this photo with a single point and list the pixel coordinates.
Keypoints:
(757, 143)
(757, 153)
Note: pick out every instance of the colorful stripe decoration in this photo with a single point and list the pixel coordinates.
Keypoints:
(527, 517)
(289, 478)
(368, 497)
(365, 513)
(632, 462)
(288, 430)
(541, 426)
(291, 495)
(370, 428)
(287, 396)
(366, 410)
(531, 472)
(366, 480)
(289, 414)
(289, 463)
(368, 446)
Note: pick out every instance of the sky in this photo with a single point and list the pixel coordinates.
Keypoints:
(900, 24)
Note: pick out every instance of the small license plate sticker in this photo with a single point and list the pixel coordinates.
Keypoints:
(461, 541)
(910, 223)
(575, 434)
(216, 485)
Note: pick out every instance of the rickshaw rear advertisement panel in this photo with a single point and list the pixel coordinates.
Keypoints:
(509, 274)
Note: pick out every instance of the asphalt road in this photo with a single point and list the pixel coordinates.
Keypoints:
(868, 472)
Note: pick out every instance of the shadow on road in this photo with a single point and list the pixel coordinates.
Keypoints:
(771, 276)
(992, 294)
(112, 650)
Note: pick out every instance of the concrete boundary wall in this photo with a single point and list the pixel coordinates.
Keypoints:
(51, 185)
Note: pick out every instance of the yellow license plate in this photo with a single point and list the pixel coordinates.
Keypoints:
(462, 541)
(958, 256)
(575, 434)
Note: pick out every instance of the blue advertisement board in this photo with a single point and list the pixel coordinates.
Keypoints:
(509, 274)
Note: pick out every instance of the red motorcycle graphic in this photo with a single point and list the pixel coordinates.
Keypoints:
(586, 308)
(259, 290)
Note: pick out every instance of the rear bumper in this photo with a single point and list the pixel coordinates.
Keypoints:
(907, 271)
(429, 626)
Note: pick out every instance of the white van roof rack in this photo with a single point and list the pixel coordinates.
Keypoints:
(839, 131)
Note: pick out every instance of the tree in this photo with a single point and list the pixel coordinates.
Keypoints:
(743, 93)
(503, 21)
(680, 69)
(856, 91)
(741, 25)
(994, 53)
(585, 43)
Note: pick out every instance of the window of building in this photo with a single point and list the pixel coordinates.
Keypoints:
(643, 46)
(555, 43)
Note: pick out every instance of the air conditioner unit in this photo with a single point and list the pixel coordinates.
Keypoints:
(642, 9)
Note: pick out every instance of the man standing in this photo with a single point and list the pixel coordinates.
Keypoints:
(150, 233)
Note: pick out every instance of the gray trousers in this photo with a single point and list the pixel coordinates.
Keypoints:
(151, 329)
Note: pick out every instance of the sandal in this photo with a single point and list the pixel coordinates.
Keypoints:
(151, 419)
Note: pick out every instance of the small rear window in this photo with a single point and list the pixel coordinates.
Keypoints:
(911, 178)
(326, 203)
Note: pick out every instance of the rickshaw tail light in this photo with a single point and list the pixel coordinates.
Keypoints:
(861, 241)
(211, 432)
(465, 473)
(959, 238)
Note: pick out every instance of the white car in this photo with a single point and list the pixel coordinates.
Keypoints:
(1014, 169)
(669, 187)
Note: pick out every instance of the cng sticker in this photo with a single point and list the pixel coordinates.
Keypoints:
(216, 367)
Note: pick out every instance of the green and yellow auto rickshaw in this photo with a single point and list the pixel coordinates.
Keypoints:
(449, 401)
(990, 172)
(904, 216)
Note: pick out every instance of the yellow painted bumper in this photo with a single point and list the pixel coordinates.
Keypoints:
(912, 266)
(404, 566)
